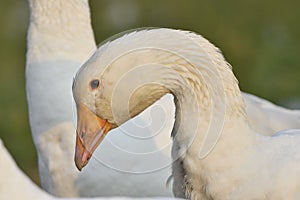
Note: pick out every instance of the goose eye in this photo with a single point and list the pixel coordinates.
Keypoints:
(94, 84)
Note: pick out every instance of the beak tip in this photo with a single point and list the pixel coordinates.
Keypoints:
(82, 156)
(79, 165)
(79, 162)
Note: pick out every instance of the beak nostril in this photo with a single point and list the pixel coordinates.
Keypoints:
(82, 134)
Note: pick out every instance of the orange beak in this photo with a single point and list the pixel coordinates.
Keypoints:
(90, 132)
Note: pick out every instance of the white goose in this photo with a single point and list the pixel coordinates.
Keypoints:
(15, 185)
(56, 47)
(216, 154)
(60, 38)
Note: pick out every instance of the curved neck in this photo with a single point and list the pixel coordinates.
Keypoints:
(207, 95)
(207, 101)
(58, 29)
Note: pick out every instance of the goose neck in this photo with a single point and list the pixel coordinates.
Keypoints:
(58, 29)
(60, 12)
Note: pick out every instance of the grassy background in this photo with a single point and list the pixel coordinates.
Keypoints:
(259, 38)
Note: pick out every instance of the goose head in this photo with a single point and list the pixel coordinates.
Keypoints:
(110, 89)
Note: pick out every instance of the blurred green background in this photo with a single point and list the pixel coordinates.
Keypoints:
(259, 38)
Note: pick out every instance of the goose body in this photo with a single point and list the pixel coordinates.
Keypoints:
(14, 184)
(216, 154)
(268, 118)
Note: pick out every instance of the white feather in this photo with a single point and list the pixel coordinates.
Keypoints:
(15, 185)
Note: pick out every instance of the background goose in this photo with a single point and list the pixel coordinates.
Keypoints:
(58, 42)
(15, 185)
(217, 155)
(56, 47)
(60, 38)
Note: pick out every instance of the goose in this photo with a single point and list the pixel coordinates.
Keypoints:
(52, 59)
(215, 152)
(15, 185)
(60, 38)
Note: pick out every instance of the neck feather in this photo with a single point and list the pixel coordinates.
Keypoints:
(58, 28)
(206, 91)
(207, 101)
(185, 64)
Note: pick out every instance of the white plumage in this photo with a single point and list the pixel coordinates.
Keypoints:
(216, 154)
(266, 117)
(15, 185)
